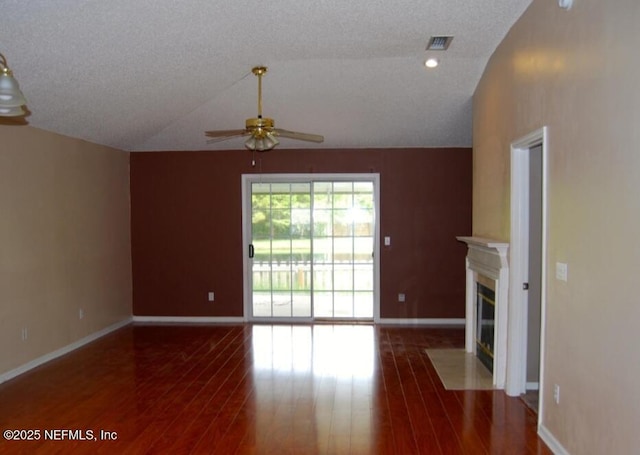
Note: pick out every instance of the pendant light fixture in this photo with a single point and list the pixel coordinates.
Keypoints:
(11, 98)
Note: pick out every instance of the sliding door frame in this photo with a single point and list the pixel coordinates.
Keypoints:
(248, 179)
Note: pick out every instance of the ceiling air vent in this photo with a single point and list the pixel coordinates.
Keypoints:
(439, 43)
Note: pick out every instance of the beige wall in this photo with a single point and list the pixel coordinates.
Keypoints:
(577, 72)
(64, 241)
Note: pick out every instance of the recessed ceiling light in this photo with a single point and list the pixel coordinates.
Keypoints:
(431, 63)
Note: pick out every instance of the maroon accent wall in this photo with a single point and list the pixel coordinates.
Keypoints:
(187, 231)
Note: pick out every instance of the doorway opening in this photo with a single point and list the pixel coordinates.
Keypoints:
(310, 247)
(527, 295)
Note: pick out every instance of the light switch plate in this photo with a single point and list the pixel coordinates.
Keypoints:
(387, 241)
(562, 271)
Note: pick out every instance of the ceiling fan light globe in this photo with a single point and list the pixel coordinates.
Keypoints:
(250, 143)
(271, 140)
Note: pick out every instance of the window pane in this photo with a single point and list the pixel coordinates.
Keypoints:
(300, 223)
(363, 222)
(281, 305)
(300, 196)
(301, 274)
(260, 195)
(342, 222)
(322, 250)
(343, 307)
(301, 304)
(363, 277)
(342, 194)
(322, 195)
(343, 249)
(363, 304)
(262, 303)
(363, 249)
(343, 277)
(281, 224)
(363, 187)
(323, 277)
(322, 222)
(323, 304)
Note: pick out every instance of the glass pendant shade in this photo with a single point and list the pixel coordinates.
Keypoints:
(10, 94)
(11, 98)
(16, 111)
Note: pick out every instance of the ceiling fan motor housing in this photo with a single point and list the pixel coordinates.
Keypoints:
(259, 126)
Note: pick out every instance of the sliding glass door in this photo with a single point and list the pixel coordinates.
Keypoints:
(310, 247)
(280, 249)
(343, 241)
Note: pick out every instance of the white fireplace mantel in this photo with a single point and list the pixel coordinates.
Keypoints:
(488, 257)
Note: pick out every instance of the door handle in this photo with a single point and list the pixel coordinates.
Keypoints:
(251, 251)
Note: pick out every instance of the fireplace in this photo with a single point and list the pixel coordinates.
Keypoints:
(485, 320)
(486, 304)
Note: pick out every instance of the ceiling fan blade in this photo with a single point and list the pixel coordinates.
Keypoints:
(299, 136)
(225, 133)
(215, 140)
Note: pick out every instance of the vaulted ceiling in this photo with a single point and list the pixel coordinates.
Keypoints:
(155, 74)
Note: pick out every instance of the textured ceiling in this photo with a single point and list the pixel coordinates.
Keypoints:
(155, 74)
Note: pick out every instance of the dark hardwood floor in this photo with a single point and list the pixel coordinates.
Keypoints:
(264, 389)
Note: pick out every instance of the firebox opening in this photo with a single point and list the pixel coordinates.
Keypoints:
(486, 305)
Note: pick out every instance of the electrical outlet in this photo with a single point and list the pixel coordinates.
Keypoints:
(401, 297)
(556, 393)
(80, 313)
(211, 296)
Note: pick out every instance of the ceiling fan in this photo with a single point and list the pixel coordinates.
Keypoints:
(261, 130)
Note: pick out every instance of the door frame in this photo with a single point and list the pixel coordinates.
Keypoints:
(519, 267)
(248, 179)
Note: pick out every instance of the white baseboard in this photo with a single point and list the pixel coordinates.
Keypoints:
(422, 321)
(241, 320)
(189, 319)
(532, 386)
(62, 351)
(550, 440)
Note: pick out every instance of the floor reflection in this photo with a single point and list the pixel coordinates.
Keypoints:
(324, 350)
(314, 383)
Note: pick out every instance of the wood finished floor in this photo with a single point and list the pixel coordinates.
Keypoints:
(264, 389)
